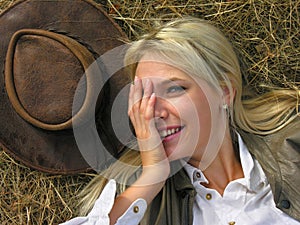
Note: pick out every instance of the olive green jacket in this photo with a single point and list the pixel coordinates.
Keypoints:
(279, 156)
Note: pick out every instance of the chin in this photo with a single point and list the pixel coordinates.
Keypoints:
(177, 152)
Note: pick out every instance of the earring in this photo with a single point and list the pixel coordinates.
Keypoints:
(225, 106)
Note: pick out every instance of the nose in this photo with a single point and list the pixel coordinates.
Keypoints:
(161, 108)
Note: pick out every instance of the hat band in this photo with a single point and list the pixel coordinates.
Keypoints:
(84, 56)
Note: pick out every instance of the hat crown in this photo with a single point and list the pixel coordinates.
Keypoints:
(46, 89)
(42, 73)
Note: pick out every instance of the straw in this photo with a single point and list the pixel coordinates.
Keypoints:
(265, 35)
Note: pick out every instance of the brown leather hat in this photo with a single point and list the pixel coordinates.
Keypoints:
(47, 48)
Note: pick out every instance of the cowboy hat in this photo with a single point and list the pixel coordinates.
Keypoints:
(47, 49)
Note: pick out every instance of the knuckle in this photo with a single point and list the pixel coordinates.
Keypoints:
(136, 107)
(142, 134)
(142, 109)
(148, 117)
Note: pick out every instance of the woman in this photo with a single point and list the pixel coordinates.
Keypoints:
(207, 153)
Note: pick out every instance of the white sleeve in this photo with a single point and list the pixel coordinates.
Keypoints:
(134, 213)
(103, 205)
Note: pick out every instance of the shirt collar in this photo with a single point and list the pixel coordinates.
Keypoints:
(192, 173)
(254, 176)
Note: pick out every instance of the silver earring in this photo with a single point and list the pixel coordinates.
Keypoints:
(225, 106)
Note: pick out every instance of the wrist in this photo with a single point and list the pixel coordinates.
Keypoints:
(155, 173)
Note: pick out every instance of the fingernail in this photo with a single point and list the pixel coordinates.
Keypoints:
(134, 80)
(152, 95)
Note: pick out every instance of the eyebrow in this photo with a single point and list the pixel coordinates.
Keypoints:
(172, 79)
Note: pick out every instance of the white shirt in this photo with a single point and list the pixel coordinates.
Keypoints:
(245, 201)
(103, 205)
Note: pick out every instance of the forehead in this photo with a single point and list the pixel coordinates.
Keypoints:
(156, 69)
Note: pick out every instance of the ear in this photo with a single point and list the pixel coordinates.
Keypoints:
(228, 94)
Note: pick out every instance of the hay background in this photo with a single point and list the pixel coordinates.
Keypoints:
(265, 34)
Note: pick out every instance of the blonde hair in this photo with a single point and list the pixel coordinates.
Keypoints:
(200, 49)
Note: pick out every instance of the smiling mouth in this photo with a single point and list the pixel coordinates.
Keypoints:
(168, 132)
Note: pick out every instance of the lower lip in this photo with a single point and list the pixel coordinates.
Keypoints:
(172, 137)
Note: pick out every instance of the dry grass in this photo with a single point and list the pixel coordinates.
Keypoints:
(265, 34)
(32, 197)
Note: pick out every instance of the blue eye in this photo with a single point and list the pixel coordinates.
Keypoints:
(175, 89)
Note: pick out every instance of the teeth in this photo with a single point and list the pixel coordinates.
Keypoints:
(165, 133)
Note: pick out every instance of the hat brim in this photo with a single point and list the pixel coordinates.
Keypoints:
(55, 152)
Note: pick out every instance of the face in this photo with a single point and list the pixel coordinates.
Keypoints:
(184, 109)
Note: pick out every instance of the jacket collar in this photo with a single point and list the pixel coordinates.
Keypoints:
(180, 178)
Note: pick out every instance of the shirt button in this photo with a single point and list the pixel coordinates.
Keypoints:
(208, 196)
(285, 204)
(231, 223)
(136, 209)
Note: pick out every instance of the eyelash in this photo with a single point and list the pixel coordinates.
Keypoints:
(175, 89)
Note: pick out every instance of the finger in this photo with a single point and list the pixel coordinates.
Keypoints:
(148, 89)
(130, 105)
(149, 115)
(138, 91)
(137, 97)
(130, 98)
(153, 138)
(149, 112)
(134, 99)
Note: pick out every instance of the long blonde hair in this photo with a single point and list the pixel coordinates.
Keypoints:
(198, 48)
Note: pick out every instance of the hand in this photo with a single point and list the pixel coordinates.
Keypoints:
(156, 166)
(141, 112)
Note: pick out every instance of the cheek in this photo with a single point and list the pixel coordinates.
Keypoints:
(204, 124)
(196, 113)
(204, 115)
(197, 118)
(184, 110)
